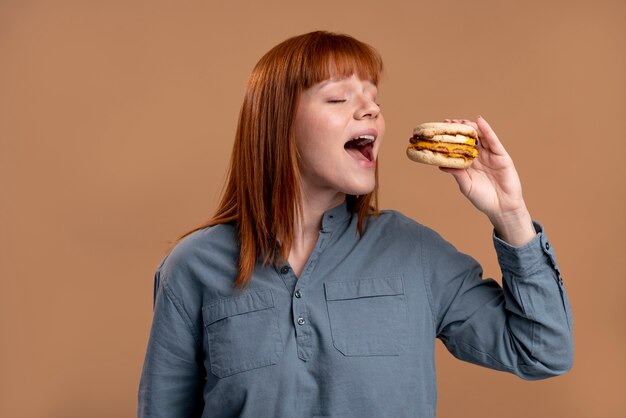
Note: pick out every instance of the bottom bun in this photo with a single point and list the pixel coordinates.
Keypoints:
(435, 158)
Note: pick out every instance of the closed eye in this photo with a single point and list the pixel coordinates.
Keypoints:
(336, 100)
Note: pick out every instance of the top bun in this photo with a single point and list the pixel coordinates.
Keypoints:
(441, 128)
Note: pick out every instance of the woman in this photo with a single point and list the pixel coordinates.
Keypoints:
(300, 299)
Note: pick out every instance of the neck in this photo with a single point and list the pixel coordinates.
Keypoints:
(308, 226)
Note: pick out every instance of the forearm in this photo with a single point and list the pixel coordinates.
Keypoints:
(539, 313)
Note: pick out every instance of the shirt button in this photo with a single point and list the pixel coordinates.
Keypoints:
(298, 294)
(301, 321)
(547, 245)
(284, 269)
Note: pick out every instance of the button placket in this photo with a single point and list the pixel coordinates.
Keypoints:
(547, 248)
(299, 307)
(285, 273)
(301, 324)
(299, 314)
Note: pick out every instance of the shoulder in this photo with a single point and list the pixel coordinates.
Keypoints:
(395, 221)
(390, 217)
(199, 253)
(398, 225)
(439, 256)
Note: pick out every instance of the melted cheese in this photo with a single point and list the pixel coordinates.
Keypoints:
(451, 150)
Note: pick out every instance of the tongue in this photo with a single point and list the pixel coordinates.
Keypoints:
(367, 151)
(361, 153)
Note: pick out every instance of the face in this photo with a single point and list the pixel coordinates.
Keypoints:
(339, 129)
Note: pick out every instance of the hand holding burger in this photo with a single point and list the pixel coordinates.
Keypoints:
(489, 180)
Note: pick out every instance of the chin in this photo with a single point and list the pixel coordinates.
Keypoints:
(361, 189)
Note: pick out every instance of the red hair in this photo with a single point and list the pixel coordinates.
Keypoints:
(262, 194)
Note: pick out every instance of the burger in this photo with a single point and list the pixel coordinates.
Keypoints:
(451, 145)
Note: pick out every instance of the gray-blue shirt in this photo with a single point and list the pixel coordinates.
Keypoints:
(354, 335)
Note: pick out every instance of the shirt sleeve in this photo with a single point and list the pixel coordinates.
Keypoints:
(523, 327)
(172, 378)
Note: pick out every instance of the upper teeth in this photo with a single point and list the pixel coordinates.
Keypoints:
(363, 139)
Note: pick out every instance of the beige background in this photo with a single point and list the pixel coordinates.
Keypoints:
(116, 123)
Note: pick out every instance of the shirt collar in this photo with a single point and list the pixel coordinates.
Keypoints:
(335, 216)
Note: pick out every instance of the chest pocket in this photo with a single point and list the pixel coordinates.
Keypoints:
(367, 317)
(242, 333)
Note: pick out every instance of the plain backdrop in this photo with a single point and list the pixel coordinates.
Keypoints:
(116, 124)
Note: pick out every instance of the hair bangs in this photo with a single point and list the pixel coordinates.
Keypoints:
(333, 56)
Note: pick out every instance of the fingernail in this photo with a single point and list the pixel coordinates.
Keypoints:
(479, 117)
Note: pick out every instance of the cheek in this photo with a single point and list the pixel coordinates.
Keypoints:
(302, 131)
(317, 132)
(320, 125)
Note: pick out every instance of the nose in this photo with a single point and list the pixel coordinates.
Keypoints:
(368, 109)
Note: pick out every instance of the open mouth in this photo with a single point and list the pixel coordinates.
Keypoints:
(361, 147)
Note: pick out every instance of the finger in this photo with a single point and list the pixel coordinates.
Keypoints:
(488, 138)
(470, 123)
(463, 121)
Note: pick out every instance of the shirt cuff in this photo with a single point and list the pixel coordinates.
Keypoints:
(526, 258)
